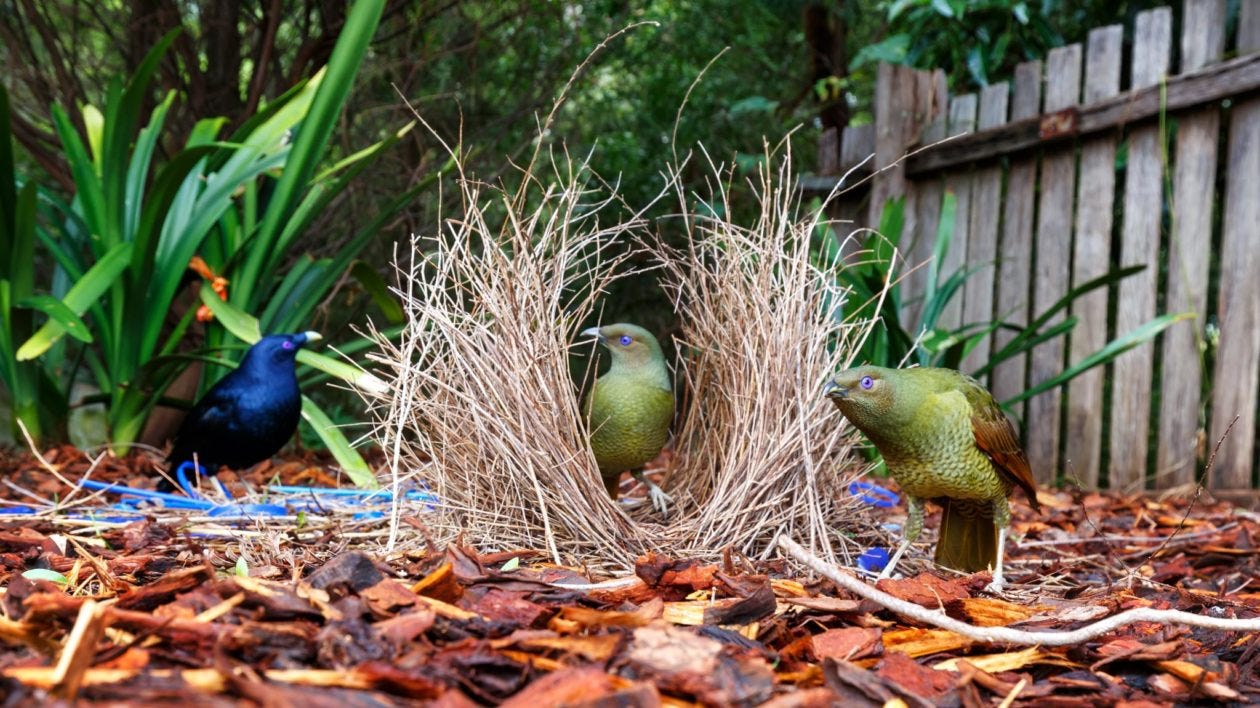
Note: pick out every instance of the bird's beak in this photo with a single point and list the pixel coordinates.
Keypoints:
(311, 336)
(594, 332)
(834, 390)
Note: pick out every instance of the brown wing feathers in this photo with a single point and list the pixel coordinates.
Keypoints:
(995, 436)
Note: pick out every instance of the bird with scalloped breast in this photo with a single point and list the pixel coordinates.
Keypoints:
(629, 409)
(943, 437)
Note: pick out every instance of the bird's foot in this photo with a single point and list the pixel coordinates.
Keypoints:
(996, 586)
(660, 500)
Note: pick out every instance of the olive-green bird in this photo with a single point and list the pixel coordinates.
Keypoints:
(943, 437)
(629, 409)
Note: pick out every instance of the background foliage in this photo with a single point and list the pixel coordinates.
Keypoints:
(483, 74)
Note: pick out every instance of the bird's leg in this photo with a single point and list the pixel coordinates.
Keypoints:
(1001, 517)
(914, 526)
(660, 500)
(998, 582)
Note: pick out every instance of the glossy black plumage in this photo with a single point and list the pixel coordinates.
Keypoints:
(249, 414)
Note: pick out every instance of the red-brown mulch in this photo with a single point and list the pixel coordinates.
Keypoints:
(161, 618)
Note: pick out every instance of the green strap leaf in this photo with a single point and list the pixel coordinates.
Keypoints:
(244, 327)
(57, 310)
(375, 286)
(349, 458)
(82, 295)
(1107, 353)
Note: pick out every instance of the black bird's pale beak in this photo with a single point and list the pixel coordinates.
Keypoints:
(308, 337)
(596, 333)
(834, 390)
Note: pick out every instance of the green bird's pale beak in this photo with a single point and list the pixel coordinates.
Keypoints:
(596, 333)
(835, 390)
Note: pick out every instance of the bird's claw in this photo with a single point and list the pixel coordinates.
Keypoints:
(660, 500)
(996, 586)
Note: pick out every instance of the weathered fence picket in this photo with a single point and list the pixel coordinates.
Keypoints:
(1139, 245)
(1015, 263)
(1044, 204)
(982, 240)
(1234, 389)
(1052, 262)
(1091, 254)
(1194, 186)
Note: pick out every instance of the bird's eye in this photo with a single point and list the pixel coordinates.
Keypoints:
(867, 382)
(625, 340)
(287, 345)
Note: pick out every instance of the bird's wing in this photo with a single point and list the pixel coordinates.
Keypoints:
(996, 437)
(212, 417)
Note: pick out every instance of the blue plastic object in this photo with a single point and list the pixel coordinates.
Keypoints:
(873, 560)
(181, 477)
(284, 500)
(874, 494)
(281, 500)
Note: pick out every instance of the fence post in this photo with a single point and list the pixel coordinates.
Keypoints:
(1194, 185)
(906, 101)
(1015, 254)
(1052, 266)
(1091, 257)
(1238, 357)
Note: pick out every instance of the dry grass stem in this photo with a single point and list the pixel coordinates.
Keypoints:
(759, 450)
(483, 406)
(483, 400)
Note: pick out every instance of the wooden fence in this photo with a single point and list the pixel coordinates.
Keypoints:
(1061, 176)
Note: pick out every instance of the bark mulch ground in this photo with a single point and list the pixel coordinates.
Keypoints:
(159, 610)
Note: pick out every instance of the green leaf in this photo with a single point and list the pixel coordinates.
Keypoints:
(752, 105)
(1107, 353)
(512, 564)
(239, 323)
(892, 50)
(82, 295)
(891, 221)
(57, 310)
(244, 327)
(349, 459)
(21, 251)
(242, 567)
(45, 574)
(94, 125)
(376, 288)
(1020, 343)
(88, 190)
(317, 125)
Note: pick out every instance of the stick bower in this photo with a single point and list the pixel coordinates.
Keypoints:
(484, 410)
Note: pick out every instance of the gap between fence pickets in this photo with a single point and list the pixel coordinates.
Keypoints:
(1006, 635)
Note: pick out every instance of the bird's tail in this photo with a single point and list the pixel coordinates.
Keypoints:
(612, 483)
(968, 536)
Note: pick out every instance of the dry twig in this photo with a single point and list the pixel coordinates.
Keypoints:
(1006, 635)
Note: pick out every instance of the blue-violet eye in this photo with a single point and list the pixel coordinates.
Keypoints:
(867, 382)
(287, 345)
(625, 340)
